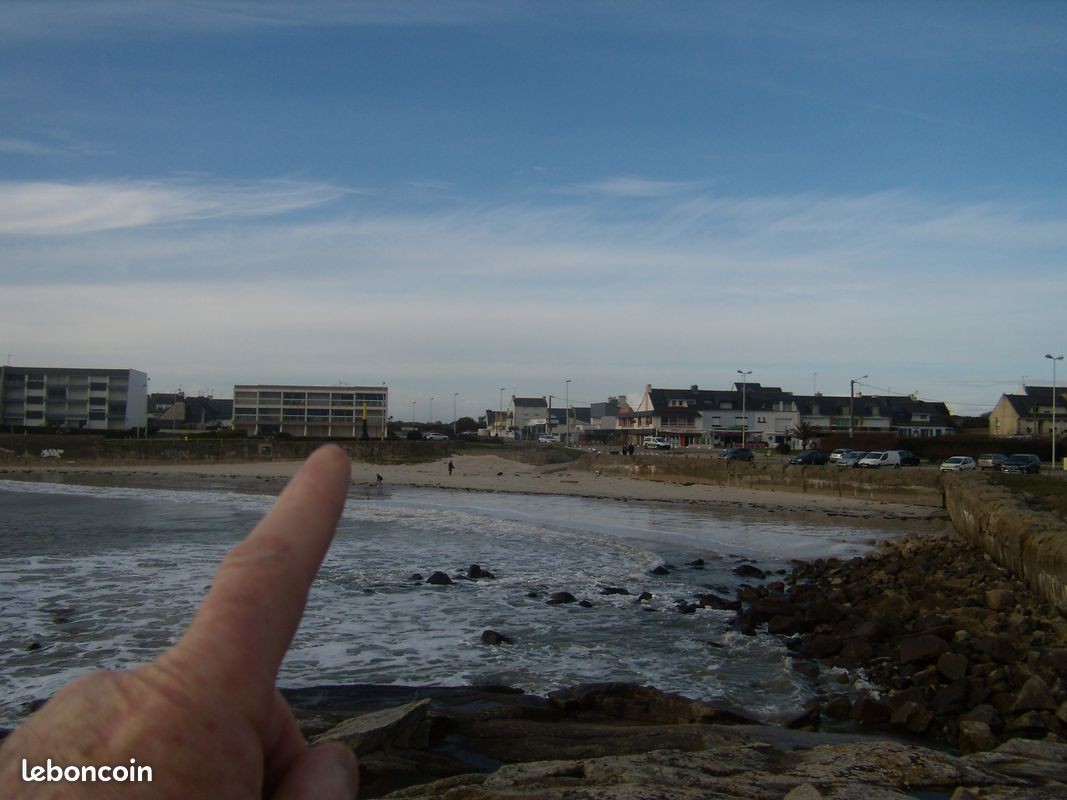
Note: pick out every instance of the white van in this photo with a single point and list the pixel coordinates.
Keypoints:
(881, 458)
(655, 443)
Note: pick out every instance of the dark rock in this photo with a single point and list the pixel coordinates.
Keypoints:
(439, 579)
(560, 598)
(585, 603)
(952, 665)
(975, 737)
(492, 637)
(985, 714)
(1034, 696)
(783, 626)
(644, 596)
(950, 699)
(416, 576)
(822, 646)
(875, 629)
(775, 586)
(749, 571)
(660, 570)
(712, 600)
(869, 711)
(809, 669)
(838, 707)
(614, 590)
(699, 562)
(808, 719)
(685, 608)
(912, 716)
(923, 648)
(475, 572)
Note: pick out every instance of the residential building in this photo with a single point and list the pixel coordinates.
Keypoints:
(766, 416)
(1029, 413)
(329, 412)
(169, 411)
(73, 398)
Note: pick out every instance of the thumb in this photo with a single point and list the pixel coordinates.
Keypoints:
(328, 771)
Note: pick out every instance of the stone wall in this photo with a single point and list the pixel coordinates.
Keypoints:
(1032, 544)
(907, 485)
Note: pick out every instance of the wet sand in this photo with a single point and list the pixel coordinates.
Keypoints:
(484, 473)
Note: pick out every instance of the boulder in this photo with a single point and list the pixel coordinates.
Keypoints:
(660, 570)
(560, 598)
(952, 666)
(749, 571)
(439, 579)
(975, 737)
(614, 590)
(923, 648)
(494, 638)
(400, 727)
(1034, 696)
(712, 600)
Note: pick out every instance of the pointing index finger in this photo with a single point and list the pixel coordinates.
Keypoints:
(249, 616)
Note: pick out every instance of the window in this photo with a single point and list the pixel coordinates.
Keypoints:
(30, 414)
(98, 401)
(97, 415)
(98, 386)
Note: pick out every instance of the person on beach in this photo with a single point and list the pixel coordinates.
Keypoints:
(205, 716)
(451, 467)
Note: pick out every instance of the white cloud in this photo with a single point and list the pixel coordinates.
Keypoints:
(48, 209)
(470, 298)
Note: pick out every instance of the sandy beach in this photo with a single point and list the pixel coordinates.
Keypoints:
(485, 473)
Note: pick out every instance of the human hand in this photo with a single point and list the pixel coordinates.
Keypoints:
(205, 715)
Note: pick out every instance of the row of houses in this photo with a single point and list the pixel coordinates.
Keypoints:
(750, 412)
(118, 401)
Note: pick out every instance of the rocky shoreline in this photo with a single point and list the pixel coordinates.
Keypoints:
(966, 676)
(955, 648)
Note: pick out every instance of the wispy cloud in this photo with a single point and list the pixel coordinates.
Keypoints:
(49, 209)
(631, 187)
(32, 18)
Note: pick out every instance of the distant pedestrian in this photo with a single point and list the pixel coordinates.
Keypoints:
(380, 479)
(451, 466)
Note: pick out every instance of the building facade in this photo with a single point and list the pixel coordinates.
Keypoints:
(328, 412)
(73, 398)
(1029, 413)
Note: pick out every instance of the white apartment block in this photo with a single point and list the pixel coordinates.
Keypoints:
(329, 412)
(73, 398)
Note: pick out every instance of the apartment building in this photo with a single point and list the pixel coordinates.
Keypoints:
(73, 398)
(328, 412)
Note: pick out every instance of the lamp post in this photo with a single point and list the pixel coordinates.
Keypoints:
(454, 396)
(851, 404)
(502, 388)
(1054, 359)
(548, 417)
(430, 420)
(567, 407)
(412, 412)
(744, 373)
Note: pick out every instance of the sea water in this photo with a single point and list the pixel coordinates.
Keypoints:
(95, 577)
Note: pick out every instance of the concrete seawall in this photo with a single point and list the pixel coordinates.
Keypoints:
(909, 485)
(1032, 544)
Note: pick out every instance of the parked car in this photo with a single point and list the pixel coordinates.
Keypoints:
(991, 460)
(737, 454)
(908, 458)
(957, 464)
(1019, 463)
(655, 443)
(881, 458)
(435, 436)
(835, 455)
(548, 438)
(850, 458)
(809, 457)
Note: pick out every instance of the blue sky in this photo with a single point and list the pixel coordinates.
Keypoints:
(462, 196)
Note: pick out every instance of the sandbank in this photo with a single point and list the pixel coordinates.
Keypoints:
(485, 473)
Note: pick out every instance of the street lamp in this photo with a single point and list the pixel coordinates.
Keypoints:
(567, 406)
(412, 412)
(502, 388)
(744, 373)
(430, 420)
(454, 396)
(1054, 359)
(851, 404)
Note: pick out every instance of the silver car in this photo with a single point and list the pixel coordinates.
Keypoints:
(957, 464)
(850, 458)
